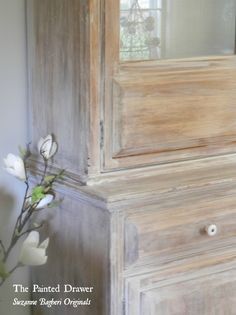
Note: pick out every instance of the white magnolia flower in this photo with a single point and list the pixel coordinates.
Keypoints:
(45, 201)
(47, 147)
(32, 253)
(15, 166)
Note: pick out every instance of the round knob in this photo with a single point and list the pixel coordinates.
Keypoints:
(211, 229)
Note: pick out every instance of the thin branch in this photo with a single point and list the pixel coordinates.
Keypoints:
(32, 229)
(29, 214)
(13, 269)
(16, 233)
(55, 177)
(26, 212)
(44, 171)
(17, 227)
(10, 272)
(3, 247)
(24, 201)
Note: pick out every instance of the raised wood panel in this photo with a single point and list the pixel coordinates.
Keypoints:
(164, 113)
(78, 84)
(209, 295)
(202, 285)
(179, 231)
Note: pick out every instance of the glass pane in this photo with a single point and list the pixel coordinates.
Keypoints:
(164, 29)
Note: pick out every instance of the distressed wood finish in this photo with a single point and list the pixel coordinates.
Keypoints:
(149, 150)
(64, 49)
(78, 255)
(175, 113)
(178, 178)
(108, 116)
(181, 228)
(192, 297)
(90, 245)
(164, 111)
(192, 288)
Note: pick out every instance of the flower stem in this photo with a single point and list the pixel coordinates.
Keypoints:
(9, 273)
(18, 226)
(3, 248)
(44, 171)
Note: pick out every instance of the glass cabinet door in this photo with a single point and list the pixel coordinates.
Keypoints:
(170, 81)
(169, 29)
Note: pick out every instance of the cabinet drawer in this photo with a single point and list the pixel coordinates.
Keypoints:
(175, 232)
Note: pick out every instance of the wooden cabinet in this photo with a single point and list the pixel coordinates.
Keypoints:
(208, 294)
(159, 111)
(149, 211)
(179, 229)
(176, 110)
(113, 115)
(144, 246)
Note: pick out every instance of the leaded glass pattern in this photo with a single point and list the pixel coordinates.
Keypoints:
(140, 29)
(170, 29)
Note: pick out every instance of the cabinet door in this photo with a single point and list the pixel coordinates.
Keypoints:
(186, 289)
(208, 295)
(174, 101)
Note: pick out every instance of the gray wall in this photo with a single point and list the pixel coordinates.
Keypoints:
(13, 127)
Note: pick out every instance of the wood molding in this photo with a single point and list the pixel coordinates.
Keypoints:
(176, 110)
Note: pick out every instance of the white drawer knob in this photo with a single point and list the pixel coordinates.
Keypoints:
(211, 229)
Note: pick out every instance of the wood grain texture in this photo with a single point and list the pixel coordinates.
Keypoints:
(135, 232)
(170, 231)
(78, 255)
(163, 111)
(197, 286)
(173, 112)
(205, 176)
(104, 114)
(208, 295)
(63, 71)
(92, 243)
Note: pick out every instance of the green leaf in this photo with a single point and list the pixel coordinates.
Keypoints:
(3, 273)
(17, 233)
(49, 178)
(61, 174)
(37, 194)
(22, 151)
(47, 189)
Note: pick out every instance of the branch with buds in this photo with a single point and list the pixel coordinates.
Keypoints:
(36, 198)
